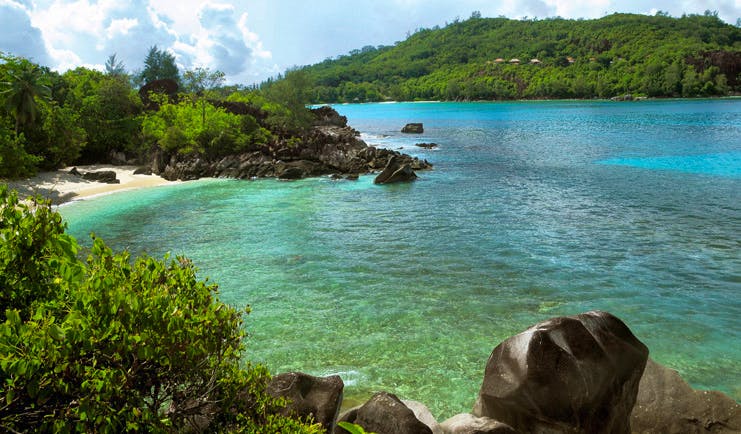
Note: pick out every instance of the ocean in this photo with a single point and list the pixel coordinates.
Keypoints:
(533, 210)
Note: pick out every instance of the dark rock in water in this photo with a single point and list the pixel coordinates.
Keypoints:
(105, 176)
(75, 172)
(469, 424)
(352, 177)
(667, 404)
(319, 397)
(413, 128)
(143, 171)
(384, 413)
(291, 173)
(427, 145)
(395, 171)
(574, 374)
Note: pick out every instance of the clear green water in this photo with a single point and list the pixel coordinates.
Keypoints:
(533, 210)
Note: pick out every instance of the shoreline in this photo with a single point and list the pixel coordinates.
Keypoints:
(62, 187)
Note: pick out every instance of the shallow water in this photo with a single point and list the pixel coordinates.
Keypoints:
(534, 209)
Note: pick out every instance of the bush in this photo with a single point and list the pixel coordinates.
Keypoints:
(115, 344)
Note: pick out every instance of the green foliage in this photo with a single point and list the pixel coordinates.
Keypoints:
(22, 88)
(15, 162)
(352, 428)
(159, 64)
(178, 128)
(116, 344)
(614, 55)
(292, 92)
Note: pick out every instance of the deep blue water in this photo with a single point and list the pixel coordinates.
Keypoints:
(534, 209)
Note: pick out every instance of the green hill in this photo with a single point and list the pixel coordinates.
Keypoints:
(656, 56)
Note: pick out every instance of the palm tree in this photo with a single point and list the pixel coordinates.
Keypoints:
(21, 91)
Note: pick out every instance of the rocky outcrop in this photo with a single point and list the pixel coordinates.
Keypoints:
(326, 150)
(396, 170)
(104, 176)
(575, 374)
(667, 404)
(424, 415)
(413, 128)
(426, 145)
(384, 413)
(467, 423)
(318, 397)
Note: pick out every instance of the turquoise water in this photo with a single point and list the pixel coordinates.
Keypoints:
(534, 209)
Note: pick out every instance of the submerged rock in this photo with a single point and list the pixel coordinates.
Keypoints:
(426, 145)
(574, 374)
(413, 128)
(667, 404)
(318, 397)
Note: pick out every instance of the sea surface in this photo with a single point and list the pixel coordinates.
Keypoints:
(533, 210)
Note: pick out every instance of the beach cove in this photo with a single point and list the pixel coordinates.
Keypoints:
(533, 210)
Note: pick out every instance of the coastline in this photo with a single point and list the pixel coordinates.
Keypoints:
(61, 186)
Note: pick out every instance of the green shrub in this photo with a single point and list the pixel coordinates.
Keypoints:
(115, 344)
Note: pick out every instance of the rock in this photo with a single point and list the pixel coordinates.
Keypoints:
(384, 413)
(424, 415)
(75, 172)
(105, 176)
(626, 97)
(326, 115)
(395, 171)
(469, 424)
(291, 173)
(427, 145)
(143, 171)
(413, 128)
(319, 397)
(352, 177)
(667, 404)
(574, 374)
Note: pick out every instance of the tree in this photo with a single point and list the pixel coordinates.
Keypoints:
(115, 344)
(25, 86)
(199, 81)
(114, 66)
(158, 65)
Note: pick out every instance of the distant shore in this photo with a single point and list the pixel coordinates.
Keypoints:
(61, 186)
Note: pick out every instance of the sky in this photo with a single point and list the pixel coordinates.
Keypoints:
(252, 40)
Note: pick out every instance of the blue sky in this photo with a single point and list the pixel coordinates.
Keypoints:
(255, 39)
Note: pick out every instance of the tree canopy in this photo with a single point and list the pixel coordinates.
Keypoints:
(500, 58)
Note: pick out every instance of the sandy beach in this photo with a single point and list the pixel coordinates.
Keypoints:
(62, 186)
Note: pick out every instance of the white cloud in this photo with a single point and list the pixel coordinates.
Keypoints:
(121, 27)
(19, 36)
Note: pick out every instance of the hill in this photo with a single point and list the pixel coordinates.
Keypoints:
(500, 58)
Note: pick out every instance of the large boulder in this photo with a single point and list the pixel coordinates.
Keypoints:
(413, 128)
(424, 415)
(667, 404)
(396, 170)
(318, 397)
(574, 374)
(105, 176)
(384, 413)
(467, 423)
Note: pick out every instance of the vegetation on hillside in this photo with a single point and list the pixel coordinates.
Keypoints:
(49, 120)
(500, 58)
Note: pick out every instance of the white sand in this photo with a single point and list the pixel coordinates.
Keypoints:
(61, 186)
